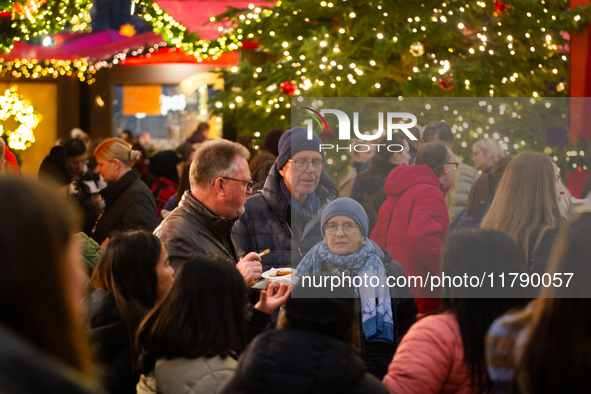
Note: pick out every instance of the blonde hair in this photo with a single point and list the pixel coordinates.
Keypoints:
(116, 148)
(490, 148)
(525, 200)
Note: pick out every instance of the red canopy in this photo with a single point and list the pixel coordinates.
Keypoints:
(175, 55)
(22, 50)
(195, 14)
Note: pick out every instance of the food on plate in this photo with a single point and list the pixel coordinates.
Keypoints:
(280, 273)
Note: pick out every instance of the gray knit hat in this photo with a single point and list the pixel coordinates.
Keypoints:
(348, 207)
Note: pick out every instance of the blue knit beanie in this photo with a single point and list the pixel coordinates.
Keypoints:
(348, 207)
(294, 141)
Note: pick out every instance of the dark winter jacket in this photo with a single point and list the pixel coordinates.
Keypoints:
(537, 261)
(192, 230)
(266, 223)
(378, 355)
(412, 224)
(472, 221)
(24, 369)
(297, 361)
(368, 189)
(129, 204)
(109, 340)
(84, 198)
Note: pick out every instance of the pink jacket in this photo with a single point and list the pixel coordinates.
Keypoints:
(430, 359)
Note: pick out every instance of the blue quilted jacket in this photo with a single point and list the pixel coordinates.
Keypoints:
(265, 224)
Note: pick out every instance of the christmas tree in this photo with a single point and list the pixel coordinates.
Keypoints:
(391, 49)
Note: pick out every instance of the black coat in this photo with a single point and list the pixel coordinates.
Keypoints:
(26, 370)
(472, 221)
(537, 261)
(300, 362)
(109, 340)
(266, 223)
(378, 355)
(368, 189)
(192, 230)
(88, 207)
(129, 204)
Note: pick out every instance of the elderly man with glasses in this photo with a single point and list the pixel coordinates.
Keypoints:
(285, 216)
(202, 222)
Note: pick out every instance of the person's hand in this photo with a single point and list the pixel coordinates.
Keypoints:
(250, 268)
(272, 298)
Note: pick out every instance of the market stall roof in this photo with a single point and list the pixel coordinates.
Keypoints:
(96, 50)
(22, 50)
(101, 45)
(76, 42)
(195, 14)
(175, 55)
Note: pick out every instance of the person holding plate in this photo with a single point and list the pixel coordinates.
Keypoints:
(346, 251)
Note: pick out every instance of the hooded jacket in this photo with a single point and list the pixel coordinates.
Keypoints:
(413, 221)
(192, 230)
(266, 223)
(298, 361)
(129, 204)
(109, 341)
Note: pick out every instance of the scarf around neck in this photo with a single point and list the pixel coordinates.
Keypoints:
(377, 318)
(304, 212)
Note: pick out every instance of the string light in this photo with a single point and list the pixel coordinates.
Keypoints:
(49, 18)
(13, 105)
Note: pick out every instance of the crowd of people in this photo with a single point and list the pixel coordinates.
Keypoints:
(129, 274)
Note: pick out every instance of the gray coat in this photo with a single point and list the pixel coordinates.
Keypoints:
(188, 376)
(466, 177)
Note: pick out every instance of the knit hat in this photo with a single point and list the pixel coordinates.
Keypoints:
(348, 207)
(91, 251)
(271, 141)
(322, 310)
(54, 168)
(294, 141)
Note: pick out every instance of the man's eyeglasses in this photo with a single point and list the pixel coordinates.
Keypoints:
(348, 228)
(456, 164)
(302, 164)
(249, 184)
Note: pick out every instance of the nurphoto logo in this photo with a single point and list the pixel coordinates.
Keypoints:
(345, 129)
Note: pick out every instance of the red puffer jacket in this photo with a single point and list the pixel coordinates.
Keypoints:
(412, 223)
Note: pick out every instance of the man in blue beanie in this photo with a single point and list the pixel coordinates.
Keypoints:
(285, 216)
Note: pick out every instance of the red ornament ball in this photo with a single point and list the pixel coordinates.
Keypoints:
(445, 84)
(501, 7)
(288, 88)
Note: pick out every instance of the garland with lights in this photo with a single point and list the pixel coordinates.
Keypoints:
(35, 69)
(431, 48)
(177, 35)
(81, 68)
(43, 18)
(13, 105)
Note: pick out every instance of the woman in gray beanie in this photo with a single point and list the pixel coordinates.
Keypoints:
(347, 252)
